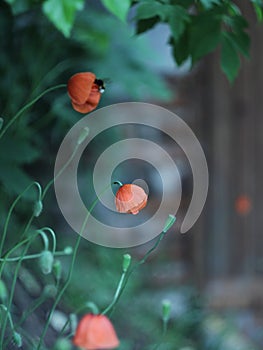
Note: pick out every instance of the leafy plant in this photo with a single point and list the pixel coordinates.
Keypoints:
(197, 27)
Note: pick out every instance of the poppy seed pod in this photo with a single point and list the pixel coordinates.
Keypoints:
(130, 199)
(84, 92)
(95, 332)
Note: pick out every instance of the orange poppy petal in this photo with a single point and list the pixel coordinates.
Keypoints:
(82, 331)
(95, 332)
(79, 87)
(91, 102)
(102, 333)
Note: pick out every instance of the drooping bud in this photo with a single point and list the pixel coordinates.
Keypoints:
(83, 135)
(38, 207)
(46, 262)
(17, 339)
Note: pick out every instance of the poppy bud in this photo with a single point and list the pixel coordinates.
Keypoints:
(83, 135)
(63, 344)
(3, 291)
(17, 339)
(169, 222)
(57, 269)
(130, 198)
(46, 261)
(166, 310)
(38, 207)
(50, 291)
(126, 262)
(68, 250)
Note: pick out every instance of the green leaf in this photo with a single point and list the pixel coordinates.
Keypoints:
(180, 48)
(258, 8)
(204, 35)
(119, 8)
(146, 24)
(17, 151)
(230, 62)
(13, 179)
(178, 19)
(62, 13)
(210, 3)
(151, 9)
(241, 41)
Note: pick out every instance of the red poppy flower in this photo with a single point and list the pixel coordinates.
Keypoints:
(85, 91)
(243, 204)
(95, 332)
(130, 199)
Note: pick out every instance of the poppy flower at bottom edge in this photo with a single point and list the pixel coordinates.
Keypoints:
(95, 332)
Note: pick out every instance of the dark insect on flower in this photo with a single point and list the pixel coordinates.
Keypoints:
(101, 85)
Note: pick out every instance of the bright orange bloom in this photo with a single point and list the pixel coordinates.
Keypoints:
(130, 199)
(95, 332)
(243, 204)
(84, 91)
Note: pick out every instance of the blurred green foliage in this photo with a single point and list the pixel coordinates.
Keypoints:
(42, 44)
(197, 26)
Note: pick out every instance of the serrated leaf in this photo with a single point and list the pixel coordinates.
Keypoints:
(119, 8)
(178, 19)
(230, 62)
(151, 9)
(62, 13)
(204, 35)
(146, 24)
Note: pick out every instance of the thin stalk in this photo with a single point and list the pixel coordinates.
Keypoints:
(74, 255)
(28, 105)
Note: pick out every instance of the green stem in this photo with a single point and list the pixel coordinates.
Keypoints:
(50, 183)
(4, 324)
(28, 105)
(140, 262)
(116, 295)
(32, 256)
(11, 211)
(63, 289)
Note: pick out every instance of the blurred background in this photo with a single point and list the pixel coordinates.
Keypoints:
(213, 274)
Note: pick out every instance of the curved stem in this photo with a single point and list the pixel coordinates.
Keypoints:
(116, 295)
(11, 210)
(28, 105)
(129, 272)
(63, 289)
